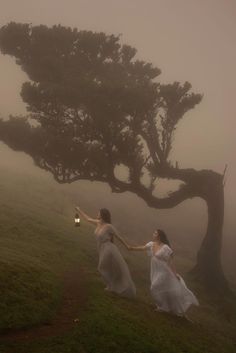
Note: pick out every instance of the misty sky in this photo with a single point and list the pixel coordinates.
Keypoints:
(187, 39)
(191, 40)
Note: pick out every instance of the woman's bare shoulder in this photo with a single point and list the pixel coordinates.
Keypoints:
(149, 244)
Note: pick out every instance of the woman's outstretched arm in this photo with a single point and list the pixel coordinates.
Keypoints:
(137, 248)
(86, 217)
(115, 233)
(122, 240)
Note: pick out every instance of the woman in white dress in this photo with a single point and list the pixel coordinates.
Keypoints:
(111, 265)
(168, 289)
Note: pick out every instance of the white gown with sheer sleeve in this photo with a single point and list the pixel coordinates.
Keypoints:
(169, 293)
(112, 265)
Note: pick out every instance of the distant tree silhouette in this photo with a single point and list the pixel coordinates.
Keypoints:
(98, 107)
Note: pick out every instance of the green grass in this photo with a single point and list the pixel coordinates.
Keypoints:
(38, 244)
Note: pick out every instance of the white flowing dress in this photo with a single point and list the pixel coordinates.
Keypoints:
(112, 265)
(169, 293)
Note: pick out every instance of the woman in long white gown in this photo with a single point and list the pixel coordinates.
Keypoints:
(168, 289)
(111, 265)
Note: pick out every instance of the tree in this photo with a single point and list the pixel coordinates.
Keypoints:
(98, 107)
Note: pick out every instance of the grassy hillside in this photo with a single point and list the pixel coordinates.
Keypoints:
(39, 244)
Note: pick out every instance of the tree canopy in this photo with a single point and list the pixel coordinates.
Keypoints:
(98, 105)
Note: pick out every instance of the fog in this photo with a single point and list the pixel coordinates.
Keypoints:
(189, 41)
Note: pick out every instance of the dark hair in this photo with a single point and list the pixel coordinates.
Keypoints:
(163, 237)
(105, 215)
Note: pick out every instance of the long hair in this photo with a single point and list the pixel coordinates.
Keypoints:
(163, 237)
(105, 215)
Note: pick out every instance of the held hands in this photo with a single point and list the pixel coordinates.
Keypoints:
(178, 276)
(126, 245)
(129, 247)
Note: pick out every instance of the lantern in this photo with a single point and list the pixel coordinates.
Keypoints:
(77, 220)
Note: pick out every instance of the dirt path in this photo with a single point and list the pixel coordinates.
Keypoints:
(73, 302)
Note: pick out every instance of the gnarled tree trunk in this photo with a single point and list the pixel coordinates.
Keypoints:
(208, 185)
(209, 267)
